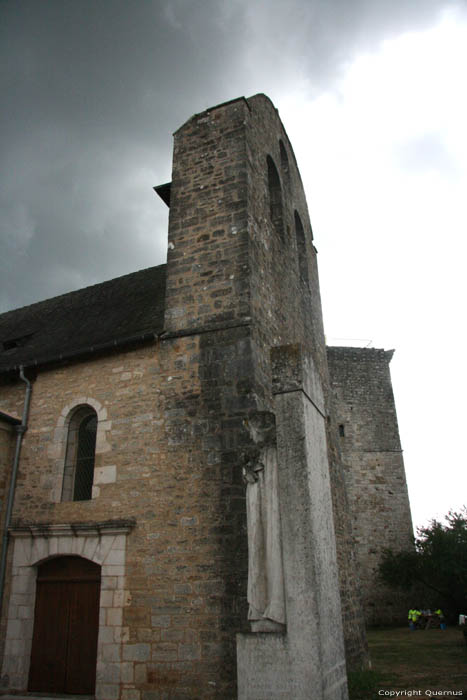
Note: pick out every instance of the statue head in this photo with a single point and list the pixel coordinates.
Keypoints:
(261, 426)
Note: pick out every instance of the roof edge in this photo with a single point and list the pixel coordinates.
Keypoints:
(80, 289)
(9, 419)
(355, 350)
(212, 109)
(110, 345)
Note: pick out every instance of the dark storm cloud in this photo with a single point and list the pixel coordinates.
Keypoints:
(93, 89)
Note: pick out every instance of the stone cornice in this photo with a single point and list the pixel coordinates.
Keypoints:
(88, 529)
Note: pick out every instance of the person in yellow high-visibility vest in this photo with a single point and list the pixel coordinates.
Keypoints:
(440, 614)
(416, 615)
(413, 618)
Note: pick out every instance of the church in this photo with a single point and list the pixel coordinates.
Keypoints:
(138, 501)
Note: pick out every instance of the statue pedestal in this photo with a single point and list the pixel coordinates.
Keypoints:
(262, 659)
(307, 661)
(267, 626)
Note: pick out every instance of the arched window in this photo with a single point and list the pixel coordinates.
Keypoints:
(275, 198)
(301, 248)
(78, 475)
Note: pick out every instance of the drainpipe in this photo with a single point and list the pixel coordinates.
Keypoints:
(20, 429)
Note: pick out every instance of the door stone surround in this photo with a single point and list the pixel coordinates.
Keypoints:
(103, 543)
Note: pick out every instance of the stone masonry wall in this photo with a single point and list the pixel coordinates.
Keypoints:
(208, 305)
(232, 276)
(207, 265)
(159, 461)
(229, 265)
(374, 469)
(286, 308)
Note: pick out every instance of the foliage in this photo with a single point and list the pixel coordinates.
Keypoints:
(438, 562)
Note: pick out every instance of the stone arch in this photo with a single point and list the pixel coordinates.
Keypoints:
(103, 544)
(284, 158)
(275, 198)
(57, 450)
(301, 249)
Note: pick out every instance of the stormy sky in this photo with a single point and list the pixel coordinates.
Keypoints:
(372, 94)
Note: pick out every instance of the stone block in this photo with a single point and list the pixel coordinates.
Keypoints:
(172, 635)
(160, 620)
(111, 652)
(106, 635)
(110, 571)
(107, 598)
(105, 475)
(189, 652)
(263, 665)
(127, 672)
(121, 634)
(116, 557)
(154, 695)
(25, 612)
(131, 694)
(24, 583)
(108, 672)
(114, 617)
(106, 691)
(141, 673)
(109, 582)
(22, 553)
(136, 652)
(15, 629)
(121, 599)
(164, 651)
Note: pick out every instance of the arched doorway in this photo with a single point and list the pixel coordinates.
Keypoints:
(66, 618)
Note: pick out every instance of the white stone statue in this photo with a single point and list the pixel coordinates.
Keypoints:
(265, 569)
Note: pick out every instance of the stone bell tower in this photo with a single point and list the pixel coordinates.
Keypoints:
(243, 315)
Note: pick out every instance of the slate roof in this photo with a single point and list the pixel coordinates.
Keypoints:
(123, 310)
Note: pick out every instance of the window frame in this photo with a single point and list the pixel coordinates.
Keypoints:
(74, 463)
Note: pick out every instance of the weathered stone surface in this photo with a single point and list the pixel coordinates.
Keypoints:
(365, 414)
(313, 646)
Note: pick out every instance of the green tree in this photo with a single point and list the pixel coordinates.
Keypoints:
(437, 564)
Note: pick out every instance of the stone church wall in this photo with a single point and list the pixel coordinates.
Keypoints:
(374, 470)
(176, 620)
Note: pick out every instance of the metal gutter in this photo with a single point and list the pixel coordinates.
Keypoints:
(20, 429)
(88, 350)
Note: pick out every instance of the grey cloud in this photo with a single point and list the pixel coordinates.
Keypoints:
(427, 153)
(92, 91)
(318, 39)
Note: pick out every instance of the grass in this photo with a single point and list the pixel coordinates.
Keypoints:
(433, 660)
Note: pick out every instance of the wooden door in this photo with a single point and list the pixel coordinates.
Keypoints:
(66, 619)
